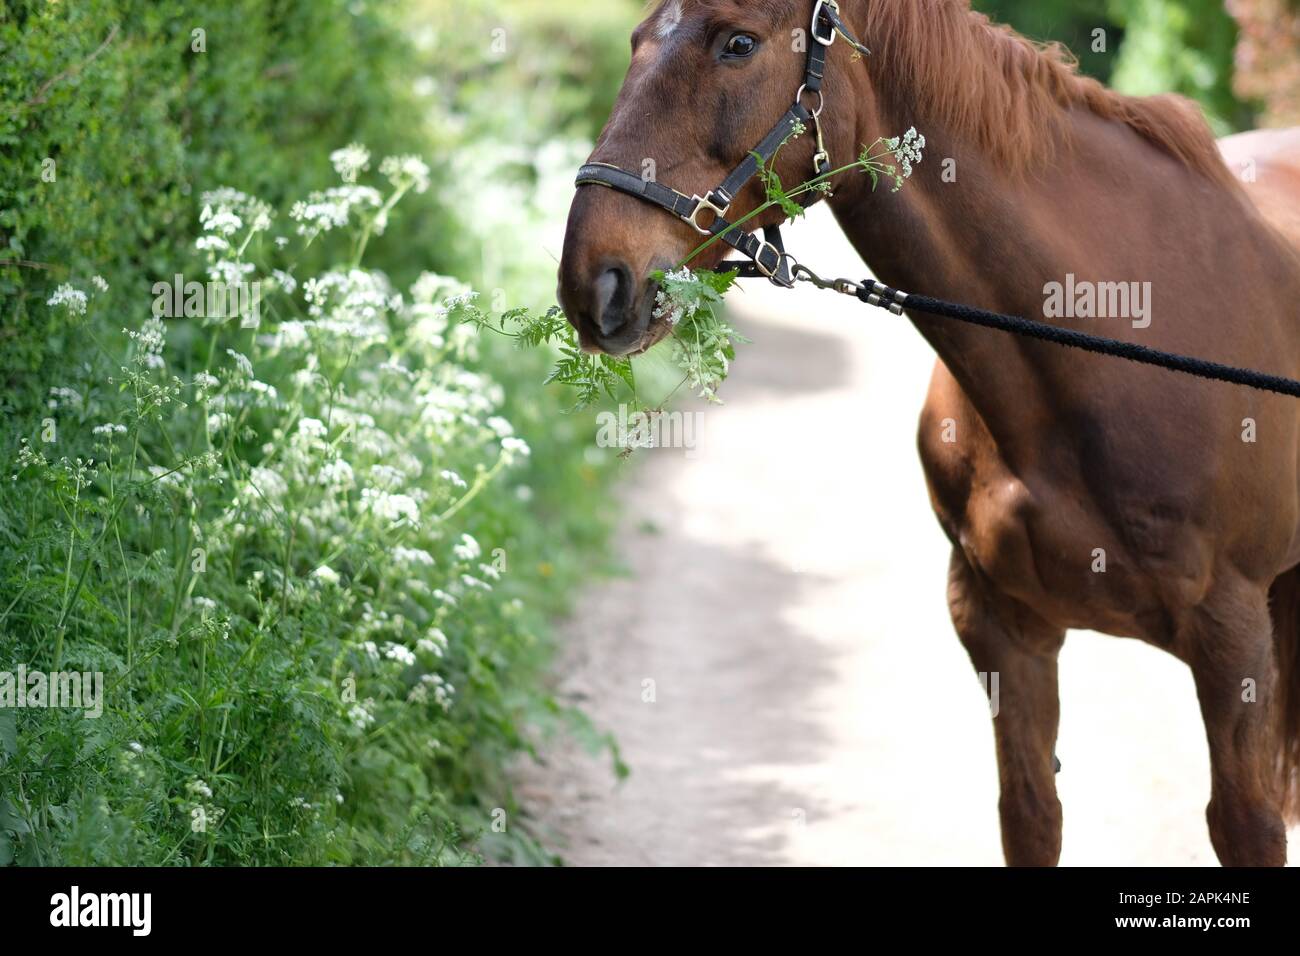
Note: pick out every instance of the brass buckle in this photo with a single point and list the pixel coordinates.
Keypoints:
(702, 203)
(817, 15)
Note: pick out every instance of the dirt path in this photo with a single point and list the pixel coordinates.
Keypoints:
(811, 703)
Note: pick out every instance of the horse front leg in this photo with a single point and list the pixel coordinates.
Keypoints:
(1230, 649)
(1016, 653)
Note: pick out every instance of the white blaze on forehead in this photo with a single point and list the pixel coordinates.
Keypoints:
(669, 17)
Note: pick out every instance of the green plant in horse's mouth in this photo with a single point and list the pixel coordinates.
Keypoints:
(703, 343)
(689, 301)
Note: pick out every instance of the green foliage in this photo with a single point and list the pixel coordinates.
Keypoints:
(562, 62)
(591, 376)
(703, 342)
(1183, 46)
(230, 675)
(137, 131)
(1070, 22)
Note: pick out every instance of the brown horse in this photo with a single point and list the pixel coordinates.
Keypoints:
(1078, 491)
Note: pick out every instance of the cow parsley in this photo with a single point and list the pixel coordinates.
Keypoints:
(703, 343)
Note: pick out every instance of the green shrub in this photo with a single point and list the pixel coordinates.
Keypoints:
(173, 512)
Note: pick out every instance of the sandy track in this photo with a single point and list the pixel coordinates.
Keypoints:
(812, 704)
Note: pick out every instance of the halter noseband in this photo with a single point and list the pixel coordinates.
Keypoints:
(767, 257)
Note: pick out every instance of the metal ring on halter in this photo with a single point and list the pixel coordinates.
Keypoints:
(821, 100)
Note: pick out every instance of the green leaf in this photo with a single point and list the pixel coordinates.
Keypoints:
(8, 733)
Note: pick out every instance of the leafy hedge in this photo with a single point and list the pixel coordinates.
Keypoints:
(313, 560)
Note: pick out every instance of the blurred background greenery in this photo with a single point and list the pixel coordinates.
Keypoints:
(1148, 46)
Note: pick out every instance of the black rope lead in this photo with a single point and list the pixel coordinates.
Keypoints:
(882, 296)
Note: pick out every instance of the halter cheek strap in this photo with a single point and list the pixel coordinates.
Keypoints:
(766, 258)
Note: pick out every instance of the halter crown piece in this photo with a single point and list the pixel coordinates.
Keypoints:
(767, 257)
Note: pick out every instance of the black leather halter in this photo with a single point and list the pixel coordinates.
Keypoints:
(767, 257)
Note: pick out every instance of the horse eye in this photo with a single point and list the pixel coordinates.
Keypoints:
(740, 45)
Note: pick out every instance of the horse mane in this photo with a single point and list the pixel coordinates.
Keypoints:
(1010, 94)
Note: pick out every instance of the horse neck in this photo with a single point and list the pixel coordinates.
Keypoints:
(993, 239)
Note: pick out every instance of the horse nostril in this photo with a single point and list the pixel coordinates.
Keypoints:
(612, 300)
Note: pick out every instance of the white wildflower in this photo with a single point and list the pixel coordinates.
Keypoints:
(349, 161)
(386, 476)
(242, 363)
(74, 300)
(326, 575)
(399, 653)
(397, 508)
(166, 476)
(468, 549)
(360, 716)
(412, 556)
(511, 448)
(907, 151)
(406, 171)
(211, 244)
(331, 209)
(434, 642)
(269, 483)
(285, 281)
(263, 388)
(312, 428)
(336, 474)
(222, 221)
